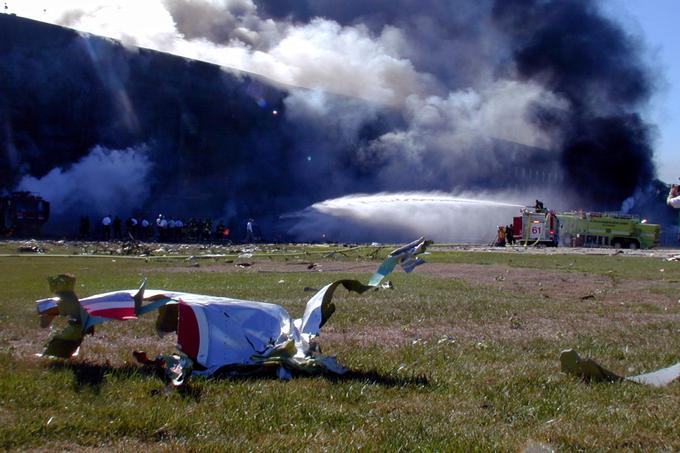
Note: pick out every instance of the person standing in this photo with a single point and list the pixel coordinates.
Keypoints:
(162, 228)
(250, 236)
(129, 227)
(145, 229)
(135, 227)
(117, 234)
(673, 199)
(207, 229)
(500, 237)
(106, 227)
(84, 232)
(179, 225)
(509, 235)
(171, 229)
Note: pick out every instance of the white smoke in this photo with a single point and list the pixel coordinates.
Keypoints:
(339, 118)
(497, 110)
(461, 127)
(351, 60)
(347, 60)
(105, 181)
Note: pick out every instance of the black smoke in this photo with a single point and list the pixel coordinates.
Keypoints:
(593, 63)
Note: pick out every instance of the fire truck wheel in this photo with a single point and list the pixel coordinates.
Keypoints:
(633, 245)
(617, 244)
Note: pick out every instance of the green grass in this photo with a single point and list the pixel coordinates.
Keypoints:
(439, 364)
(620, 266)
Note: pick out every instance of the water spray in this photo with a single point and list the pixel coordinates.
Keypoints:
(390, 217)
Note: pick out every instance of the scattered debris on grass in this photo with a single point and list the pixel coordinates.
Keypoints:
(516, 322)
(31, 249)
(258, 334)
(537, 447)
(405, 256)
(591, 371)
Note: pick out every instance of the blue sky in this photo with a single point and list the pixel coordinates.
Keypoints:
(658, 21)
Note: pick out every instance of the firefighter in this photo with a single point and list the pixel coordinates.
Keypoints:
(539, 206)
(509, 236)
(500, 238)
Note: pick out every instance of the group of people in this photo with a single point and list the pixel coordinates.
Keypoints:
(163, 229)
(111, 227)
(169, 229)
(504, 236)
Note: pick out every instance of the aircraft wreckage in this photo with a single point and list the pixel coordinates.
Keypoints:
(213, 333)
(591, 371)
(240, 336)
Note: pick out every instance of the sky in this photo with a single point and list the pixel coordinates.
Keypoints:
(655, 21)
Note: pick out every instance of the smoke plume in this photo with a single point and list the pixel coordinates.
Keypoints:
(318, 99)
(104, 181)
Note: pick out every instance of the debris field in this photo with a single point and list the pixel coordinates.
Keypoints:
(463, 351)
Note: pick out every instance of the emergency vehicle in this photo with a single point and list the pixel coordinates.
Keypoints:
(595, 229)
(22, 213)
(536, 227)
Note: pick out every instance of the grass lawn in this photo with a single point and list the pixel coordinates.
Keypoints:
(462, 355)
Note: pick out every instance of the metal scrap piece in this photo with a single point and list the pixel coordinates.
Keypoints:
(214, 332)
(591, 371)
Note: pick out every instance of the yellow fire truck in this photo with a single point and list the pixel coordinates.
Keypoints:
(594, 229)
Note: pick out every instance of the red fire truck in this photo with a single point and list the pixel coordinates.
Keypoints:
(22, 214)
(536, 227)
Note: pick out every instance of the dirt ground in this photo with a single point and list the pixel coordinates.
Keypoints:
(557, 285)
(591, 292)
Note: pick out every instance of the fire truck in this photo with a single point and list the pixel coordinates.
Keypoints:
(22, 214)
(540, 227)
(595, 229)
